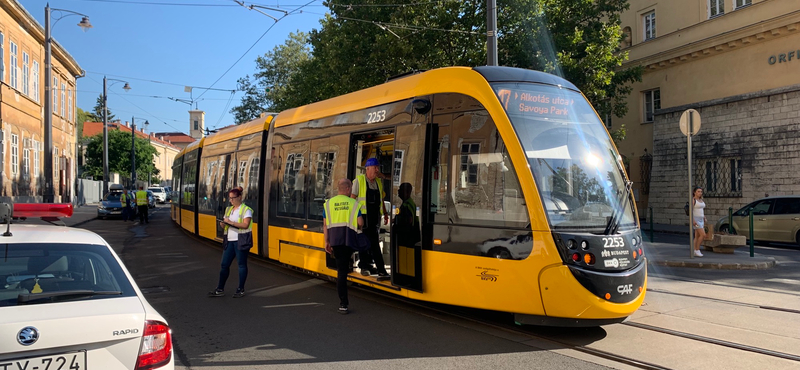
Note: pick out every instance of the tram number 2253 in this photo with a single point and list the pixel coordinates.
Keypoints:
(613, 242)
(376, 116)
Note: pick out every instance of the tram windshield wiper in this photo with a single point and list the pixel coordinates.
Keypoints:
(616, 214)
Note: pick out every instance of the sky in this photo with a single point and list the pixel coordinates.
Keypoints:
(161, 46)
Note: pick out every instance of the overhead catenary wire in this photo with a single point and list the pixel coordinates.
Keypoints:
(402, 26)
(255, 43)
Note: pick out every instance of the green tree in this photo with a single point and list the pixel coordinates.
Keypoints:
(267, 90)
(361, 46)
(119, 155)
(96, 114)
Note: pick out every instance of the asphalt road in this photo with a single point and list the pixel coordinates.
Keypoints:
(785, 276)
(289, 319)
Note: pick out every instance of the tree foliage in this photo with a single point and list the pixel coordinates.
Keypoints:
(82, 117)
(267, 89)
(360, 46)
(96, 114)
(119, 155)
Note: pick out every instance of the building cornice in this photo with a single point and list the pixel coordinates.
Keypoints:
(30, 25)
(751, 34)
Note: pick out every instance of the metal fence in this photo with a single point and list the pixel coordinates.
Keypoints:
(89, 191)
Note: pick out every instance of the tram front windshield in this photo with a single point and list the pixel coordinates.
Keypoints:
(573, 161)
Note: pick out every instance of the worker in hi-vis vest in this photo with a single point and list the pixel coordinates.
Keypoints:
(342, 218)
(125, 202)
(368, 192)
(141, 204)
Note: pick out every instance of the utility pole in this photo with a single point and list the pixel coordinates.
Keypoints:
(105, 138)
(491, 32)
(133, 151)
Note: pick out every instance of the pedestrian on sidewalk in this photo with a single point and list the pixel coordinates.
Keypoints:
(699, 219)
(341, 218)
(125, 202)
(237, 240)
(142, 205)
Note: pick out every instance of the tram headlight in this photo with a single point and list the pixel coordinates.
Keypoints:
(572, 244)
(584, 245)
(635, 241)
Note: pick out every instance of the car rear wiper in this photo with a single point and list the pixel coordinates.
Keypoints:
(25, 298)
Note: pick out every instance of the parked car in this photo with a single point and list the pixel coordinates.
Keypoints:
(151, 199)
(775, 219)
(110, 206)
(159, 192)
(67, 300)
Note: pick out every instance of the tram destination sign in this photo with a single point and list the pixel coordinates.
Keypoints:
(536, 103)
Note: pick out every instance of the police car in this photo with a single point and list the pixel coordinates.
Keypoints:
(68, 302)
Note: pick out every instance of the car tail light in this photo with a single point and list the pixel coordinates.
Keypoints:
(156, 350)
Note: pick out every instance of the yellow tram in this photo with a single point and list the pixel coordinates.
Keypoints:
(523, 202)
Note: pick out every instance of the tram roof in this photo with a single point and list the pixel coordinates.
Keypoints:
(195, 145)
(247, 128)
(425, 83)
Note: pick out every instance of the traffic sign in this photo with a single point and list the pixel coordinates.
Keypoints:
(690, 118)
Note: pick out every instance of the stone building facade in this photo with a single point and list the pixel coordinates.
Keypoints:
(22, 89)
(748, 147)
(736, 62)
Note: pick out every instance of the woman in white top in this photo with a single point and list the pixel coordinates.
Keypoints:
(699, 218)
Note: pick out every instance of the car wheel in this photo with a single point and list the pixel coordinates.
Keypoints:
(500, 253)
(727, 229)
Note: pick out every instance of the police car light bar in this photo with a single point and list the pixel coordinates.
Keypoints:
(42, 210)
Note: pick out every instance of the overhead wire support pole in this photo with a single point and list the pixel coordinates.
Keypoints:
(491, 32)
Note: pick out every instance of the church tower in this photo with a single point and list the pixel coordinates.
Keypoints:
(197, 126)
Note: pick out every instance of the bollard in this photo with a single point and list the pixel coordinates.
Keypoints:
(651, 224)
(752, 247)
(730, 220)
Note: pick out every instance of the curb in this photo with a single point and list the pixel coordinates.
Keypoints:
(83, 222)
(717, 266)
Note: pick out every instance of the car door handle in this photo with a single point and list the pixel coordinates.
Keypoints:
(795, 218)
(762, 219)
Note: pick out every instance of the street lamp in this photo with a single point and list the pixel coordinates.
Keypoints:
(49, 194)
(105, 128)
(133, 149)
(149, 168)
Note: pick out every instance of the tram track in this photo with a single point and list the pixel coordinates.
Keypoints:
(713, 283)
(544, 341)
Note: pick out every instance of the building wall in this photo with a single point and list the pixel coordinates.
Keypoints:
(21, 113)
(695, 58)
(762, 130)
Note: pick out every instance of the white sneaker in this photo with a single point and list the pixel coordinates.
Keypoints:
(697, 253)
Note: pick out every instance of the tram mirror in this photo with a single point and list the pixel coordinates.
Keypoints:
(422, 106)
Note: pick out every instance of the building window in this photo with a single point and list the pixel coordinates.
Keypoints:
(607, 120)
(196, 124)
(715, 8)
(35, 78)
(26, 162)
(36, 150)
(69, 107)
(719, 177)
(14, 154)
(25, 71)
(741, 3)
(63, 98)
(469, 169)
(13, 65)
(652, 102)
(2, 57)
(649, 21)
(55, 94)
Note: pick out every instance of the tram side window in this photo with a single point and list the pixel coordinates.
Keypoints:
(189, 180)
(207, 180)
(176, 180)
(328, 166)
(488, 191)
(409, 159)
(292, 181)
(439, 171)
(248, 178)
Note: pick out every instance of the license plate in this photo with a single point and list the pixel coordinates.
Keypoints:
(64, 361)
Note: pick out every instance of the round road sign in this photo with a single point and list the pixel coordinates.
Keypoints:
(695, 121)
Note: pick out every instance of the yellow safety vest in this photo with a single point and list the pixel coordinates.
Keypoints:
(242, 210)
(341, 220)
(362, 193)
(123, 199)
(141, 198)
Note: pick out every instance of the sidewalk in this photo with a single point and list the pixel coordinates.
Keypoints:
(677, 254)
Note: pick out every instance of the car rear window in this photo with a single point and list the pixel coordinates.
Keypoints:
(157, 190)
(49, 273)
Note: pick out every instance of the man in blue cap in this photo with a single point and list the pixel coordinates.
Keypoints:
(368, 192)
